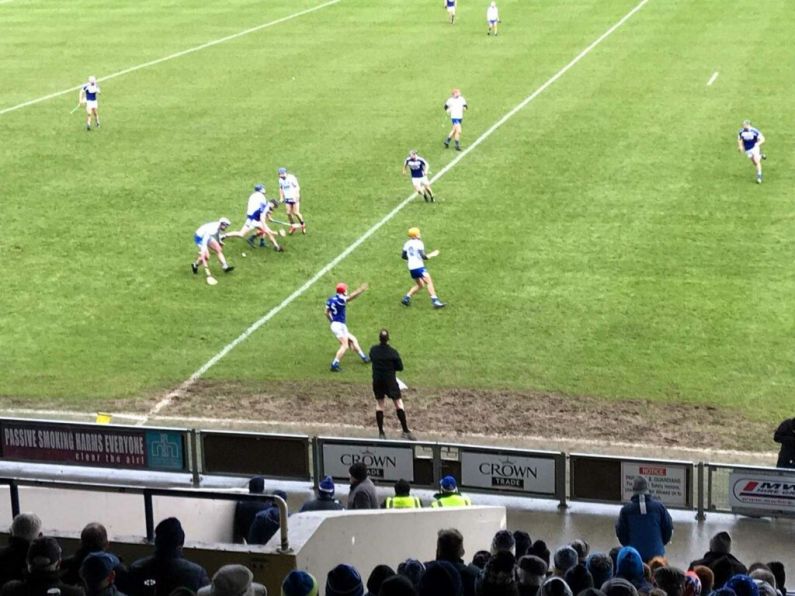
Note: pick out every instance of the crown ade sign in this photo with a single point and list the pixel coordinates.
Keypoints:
(496, 470)
(762, 492)
(383, 463)
(91, 446)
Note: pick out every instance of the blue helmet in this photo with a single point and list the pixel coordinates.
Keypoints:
(259, 188)
(282, 171)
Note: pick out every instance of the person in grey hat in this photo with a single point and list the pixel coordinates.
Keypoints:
(531, 573)
(233, 580)
(644, 523)
(25, 528)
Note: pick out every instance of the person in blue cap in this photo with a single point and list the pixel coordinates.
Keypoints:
(325, 500)
(449, 496)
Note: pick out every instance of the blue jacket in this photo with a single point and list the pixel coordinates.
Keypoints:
(648, 532)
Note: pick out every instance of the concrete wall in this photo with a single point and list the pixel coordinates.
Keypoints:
(365, 539)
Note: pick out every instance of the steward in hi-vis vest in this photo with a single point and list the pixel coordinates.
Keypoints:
(402, 498)
(449, 495)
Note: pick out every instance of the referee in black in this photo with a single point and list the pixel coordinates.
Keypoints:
(385, 363)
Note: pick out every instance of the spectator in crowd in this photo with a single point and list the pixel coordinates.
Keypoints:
(233, 580)
(523, 543)
(785, 434)
(630, 566)
(449, 496)
(531, 573)
(583, 549)
(480, 558)
(565, 558)
(362, 493)
(499, 576)
(692, 584)
(166, 566)
(555, 586)
(720, 560)
(742, 585)
(671, 580)
(93, 538)
(706, 577)
(450, 549)
(503, 541)
(441, 578)
(246, 511)
(403, 498)
(344, 580)
(657, 562)
(765, 580)
(265, 525)
(578, 578)
(377, 577)
(25, 528)
(777, 568)
(618, 586)
(324, 501)
(600, 566)
(98, 572)
(413, 570)
(299, 583)
(398, 585)
(540, 550)
(644, 523)
(43, 573)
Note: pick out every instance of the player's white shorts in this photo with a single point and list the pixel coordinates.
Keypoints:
(91, 105)
(754, 153)
(340, 330)
(254, 224)
(451, 9)
(419, 183)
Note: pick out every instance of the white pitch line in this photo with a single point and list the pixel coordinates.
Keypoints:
(712, 79)
(163, 403)
(179, 54)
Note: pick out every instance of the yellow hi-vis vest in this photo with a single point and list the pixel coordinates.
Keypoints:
(403, 503)
(452, 500)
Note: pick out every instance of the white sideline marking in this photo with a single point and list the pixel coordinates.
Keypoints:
(179, 54)
(712, 79)
(242, 421)
(163, 403)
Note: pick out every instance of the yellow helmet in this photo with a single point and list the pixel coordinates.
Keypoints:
(414, 232)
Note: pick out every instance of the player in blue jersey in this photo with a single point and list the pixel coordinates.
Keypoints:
(335, 313)
(419, 169)
(210, 237)
(450, 6)
(414, 253)
(750, 141)
(258, 212)
(89, 96)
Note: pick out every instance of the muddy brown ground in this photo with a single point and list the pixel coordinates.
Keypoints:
(639, 427)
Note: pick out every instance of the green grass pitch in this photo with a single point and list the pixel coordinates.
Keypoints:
(608, 240)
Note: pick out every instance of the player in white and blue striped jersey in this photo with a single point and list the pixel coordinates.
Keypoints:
(89, 96)
(210, 237)
(414, 254)
(750, 141)
(336, 307)
(419, 169)
(450, 5)
(258, 212)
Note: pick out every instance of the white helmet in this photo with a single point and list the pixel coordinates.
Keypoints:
(92, 79)
(224, 222)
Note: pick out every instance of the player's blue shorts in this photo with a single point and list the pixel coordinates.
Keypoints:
(457, 120)
(492, 22)
(198, 240)
(290, 201)
(417, 273)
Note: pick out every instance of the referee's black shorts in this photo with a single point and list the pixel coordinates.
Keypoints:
(386, 388)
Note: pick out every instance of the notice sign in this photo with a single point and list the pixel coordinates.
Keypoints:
(667, 482)
(383, 463)
(764, 492)
(91, 446)
(508, 473)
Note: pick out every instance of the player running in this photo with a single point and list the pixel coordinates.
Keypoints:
(749, 141)
(455, 106)
(414, 253)
(450, 6)
(290, 195)
(419, 169)
(335, 313)
(492, 18)
(89, 96)
(258, 212)
(208, 237)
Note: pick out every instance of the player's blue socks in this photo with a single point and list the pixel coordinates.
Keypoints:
(335, 365)
(406, 300)
(365, 358)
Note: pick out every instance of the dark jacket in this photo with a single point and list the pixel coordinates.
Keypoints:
(245, 512)
(649, 532)
(723, 565)
(785, 434)
(169, 570)
(264, 526)
(469, 575)
(385, 362)
(13, 559)
(362, 495)
(323, 502)
(37, 584)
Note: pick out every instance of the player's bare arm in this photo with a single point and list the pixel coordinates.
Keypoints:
(358, 292)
